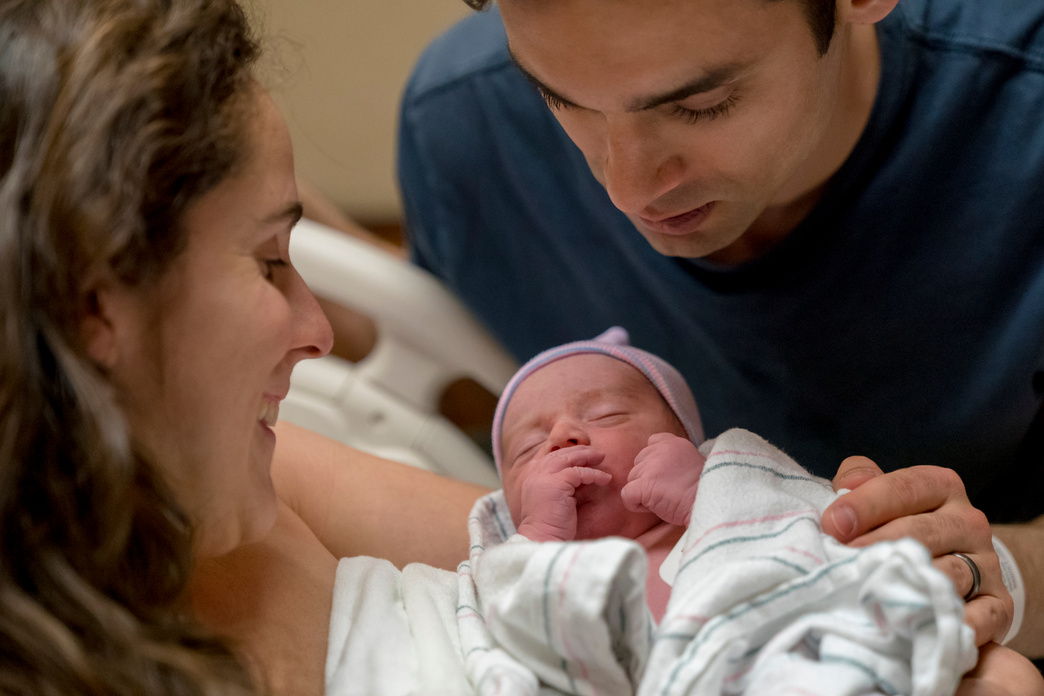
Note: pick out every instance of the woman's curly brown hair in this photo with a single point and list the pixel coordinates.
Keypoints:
(114, 116)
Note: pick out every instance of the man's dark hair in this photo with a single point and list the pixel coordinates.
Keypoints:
(821, 15)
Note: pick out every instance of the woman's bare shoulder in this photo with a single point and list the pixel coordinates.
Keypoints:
(272, 598)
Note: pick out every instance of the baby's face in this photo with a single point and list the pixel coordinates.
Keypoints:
(587, 400)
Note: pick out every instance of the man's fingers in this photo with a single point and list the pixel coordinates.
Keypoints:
(889, 497)
(854, 472)
(959, 573)
(989, 618)
(948, 529)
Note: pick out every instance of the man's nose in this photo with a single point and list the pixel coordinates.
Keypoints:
(639, 166)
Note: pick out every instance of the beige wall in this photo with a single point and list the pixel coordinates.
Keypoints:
(344, 64)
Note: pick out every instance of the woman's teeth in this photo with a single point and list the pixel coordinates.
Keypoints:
(269, 412)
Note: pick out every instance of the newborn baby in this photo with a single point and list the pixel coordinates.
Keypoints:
(598, 438)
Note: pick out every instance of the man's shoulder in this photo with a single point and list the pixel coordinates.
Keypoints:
(476, 45)
(1006, 29)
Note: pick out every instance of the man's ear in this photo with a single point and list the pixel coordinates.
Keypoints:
(98, 328)
(865, 11)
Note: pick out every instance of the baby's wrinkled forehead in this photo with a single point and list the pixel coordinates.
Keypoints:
(583, 380)
(602, 372)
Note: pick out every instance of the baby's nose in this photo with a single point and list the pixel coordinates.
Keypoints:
(568, 442)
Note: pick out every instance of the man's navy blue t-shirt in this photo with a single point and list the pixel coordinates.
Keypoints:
(902, 320)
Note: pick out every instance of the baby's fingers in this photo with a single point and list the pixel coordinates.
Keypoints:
(661, 437)
(631, 495)
(568, 457)
(577, 476)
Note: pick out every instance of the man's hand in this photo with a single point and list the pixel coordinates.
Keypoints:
(548, 492)
(929, 504)
(664, 479)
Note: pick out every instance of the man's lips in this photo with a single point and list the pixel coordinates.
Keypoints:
(677, 225)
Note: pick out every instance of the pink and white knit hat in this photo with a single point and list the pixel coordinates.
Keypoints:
(614, 343)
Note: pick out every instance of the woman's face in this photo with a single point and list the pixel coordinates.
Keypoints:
(203, 359)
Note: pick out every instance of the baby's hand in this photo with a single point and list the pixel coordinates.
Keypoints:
(548, 493)
(664, 479)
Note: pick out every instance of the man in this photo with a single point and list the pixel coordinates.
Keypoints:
(828, 216)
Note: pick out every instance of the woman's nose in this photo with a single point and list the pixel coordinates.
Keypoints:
(313, 335)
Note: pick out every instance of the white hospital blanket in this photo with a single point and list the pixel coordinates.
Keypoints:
(764, 602)
(393, 633)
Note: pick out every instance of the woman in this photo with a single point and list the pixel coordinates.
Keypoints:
(150, 320)
(133, 278)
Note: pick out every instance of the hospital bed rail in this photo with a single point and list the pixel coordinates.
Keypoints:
(388, 402)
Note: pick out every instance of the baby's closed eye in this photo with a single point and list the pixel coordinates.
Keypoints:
(609, 416)
(526, 449)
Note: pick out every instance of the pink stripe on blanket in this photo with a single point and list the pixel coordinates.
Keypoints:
(754, 520)
(561, 602)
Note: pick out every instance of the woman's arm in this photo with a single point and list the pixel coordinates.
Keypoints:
(361, 505)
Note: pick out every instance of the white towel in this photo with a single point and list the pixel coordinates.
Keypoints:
(763, 603)
(393, 633)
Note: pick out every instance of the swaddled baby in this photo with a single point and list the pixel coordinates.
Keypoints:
(598, 438)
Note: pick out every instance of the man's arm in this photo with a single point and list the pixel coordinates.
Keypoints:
(360, 505)
(1026, 543)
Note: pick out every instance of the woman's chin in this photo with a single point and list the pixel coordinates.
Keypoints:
(251, 524)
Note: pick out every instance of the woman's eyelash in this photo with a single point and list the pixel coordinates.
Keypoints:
(708, 114)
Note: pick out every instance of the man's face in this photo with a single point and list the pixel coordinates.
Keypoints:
(697, 116)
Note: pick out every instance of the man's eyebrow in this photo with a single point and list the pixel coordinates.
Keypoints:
(707, 82)
(555, 96)
(291, 213)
